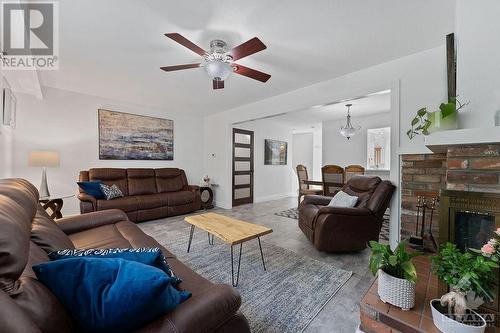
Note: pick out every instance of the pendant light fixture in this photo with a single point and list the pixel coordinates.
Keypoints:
(348, 130)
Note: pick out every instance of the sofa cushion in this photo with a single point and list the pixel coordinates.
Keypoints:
(151, 256)
(47, 234)
(150, 201)
(92, 188)
(141, 181)
(111, 192)
(127, 204)
(179, 198)
(342, 199)
(110, 294)
(122, 234)
(361, 187)
(168, 180)
(110, 176)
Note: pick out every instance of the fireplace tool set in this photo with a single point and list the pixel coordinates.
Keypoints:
(417, 240)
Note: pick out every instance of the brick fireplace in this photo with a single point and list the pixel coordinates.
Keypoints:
(474, 168)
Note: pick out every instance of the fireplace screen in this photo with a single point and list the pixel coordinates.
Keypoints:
(473, 230)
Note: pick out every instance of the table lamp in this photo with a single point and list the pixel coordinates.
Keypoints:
(44, 158)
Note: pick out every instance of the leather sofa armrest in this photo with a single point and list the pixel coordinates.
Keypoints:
(192, 188)
(82, 196)
(77, 223)
(212, 308)
(345, 211)
(319, 200)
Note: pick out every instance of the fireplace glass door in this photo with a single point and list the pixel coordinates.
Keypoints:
(473, 230)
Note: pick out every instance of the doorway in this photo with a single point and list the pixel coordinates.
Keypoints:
(243, 168)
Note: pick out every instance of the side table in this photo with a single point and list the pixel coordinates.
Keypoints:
(53, 204)
(207, 197)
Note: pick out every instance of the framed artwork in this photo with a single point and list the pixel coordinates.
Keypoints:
(275, 152)
(8, 108)
(378, 148)
(126, 136)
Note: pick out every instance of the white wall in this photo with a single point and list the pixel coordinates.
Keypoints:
(303, 148)
(421, 78)
(271, 182)
(340, 151)
(317, 152)
(67, 122)
(478, 61)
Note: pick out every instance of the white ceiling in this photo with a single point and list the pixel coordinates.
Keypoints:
(305, 120)
(114, 48)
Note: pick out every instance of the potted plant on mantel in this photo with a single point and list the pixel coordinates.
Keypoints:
(396, 274)
(445, 118)
(471, 279)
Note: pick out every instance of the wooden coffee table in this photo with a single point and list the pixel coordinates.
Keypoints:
(230, 231)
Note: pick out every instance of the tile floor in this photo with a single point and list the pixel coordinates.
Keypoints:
(341, 313)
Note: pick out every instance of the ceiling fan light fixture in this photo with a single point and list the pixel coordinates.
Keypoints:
(217, 61)
(218, 70)
(348, 130)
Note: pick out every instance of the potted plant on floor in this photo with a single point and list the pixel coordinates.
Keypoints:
(471, 279)
(396, 274)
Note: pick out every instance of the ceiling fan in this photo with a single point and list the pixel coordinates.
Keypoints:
(219, 62)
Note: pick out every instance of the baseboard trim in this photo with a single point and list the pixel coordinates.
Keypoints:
(273, 197)
(259, 199)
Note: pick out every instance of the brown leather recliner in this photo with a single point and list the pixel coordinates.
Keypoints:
(27, 234)
(148, 193)
(333, 229)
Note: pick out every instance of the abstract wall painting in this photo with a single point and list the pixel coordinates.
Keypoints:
(126, 136)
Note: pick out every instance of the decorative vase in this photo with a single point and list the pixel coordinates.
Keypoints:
(396, 291)
(438, 123)
(448, 325)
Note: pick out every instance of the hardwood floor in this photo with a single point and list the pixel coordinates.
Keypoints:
(341, 313)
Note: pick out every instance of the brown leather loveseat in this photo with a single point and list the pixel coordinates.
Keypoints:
(148, 193)
(27, 234)
(334, 229)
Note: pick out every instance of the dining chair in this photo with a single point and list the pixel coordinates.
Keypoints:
(353, 170)
(333, 179)
(304, 188)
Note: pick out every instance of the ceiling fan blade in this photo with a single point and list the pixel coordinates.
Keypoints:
(251, 73)
(185, 42)
(179, 67)
(218, 84)
(249, 47)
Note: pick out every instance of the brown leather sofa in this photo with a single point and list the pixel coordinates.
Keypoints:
(148, 193)
(27, 234)
(333, 229)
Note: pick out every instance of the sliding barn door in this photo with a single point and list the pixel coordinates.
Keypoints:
(242, 167)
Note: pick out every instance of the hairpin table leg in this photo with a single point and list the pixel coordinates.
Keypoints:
(261, 254)
(210, 239)
(235, 284)
(191, 236)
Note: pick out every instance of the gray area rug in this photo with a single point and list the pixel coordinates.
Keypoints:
(293, 213)
(284, 299)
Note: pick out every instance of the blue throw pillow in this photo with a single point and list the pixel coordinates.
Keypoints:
(147, 255)
(110, 295)
(92, 188)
